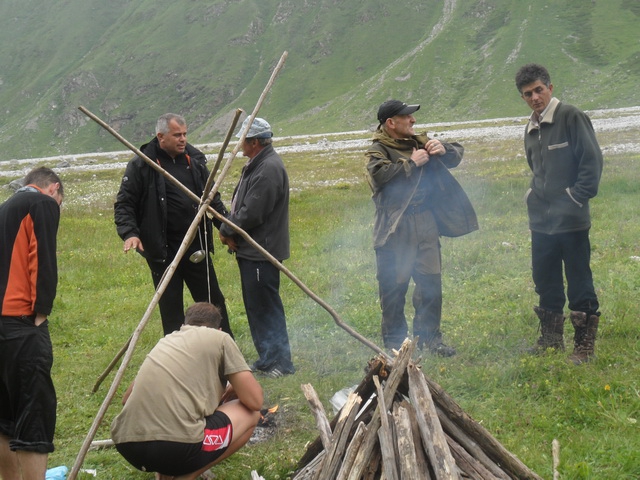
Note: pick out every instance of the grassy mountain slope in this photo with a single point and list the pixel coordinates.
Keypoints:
(128, 62)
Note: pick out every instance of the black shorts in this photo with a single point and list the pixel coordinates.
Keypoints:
(27, 396)
(175, 458)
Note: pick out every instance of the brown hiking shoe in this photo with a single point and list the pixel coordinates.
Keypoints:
(584, 339)
(551, 331)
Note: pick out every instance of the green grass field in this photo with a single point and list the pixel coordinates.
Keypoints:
(524, 401)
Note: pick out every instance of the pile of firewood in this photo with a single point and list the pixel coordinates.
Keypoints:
(398, 424)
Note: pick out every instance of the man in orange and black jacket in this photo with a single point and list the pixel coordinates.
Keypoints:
(28, 282)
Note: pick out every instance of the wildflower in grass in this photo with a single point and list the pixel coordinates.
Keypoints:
(607, 388)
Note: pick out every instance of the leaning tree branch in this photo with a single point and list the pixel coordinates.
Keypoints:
(205, 208)
(243, 233)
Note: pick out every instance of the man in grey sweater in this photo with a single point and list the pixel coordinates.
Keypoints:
(566, 161)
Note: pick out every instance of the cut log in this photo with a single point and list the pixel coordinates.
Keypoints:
(365, 389)
(385, 436)
(467, 464)
(421, 454)
(444, 466)
(426, 436)
(331, 463)
(318, 412)
(352, 451)
(408, 463)
(462, 438)
(309, 470)
(509, 463)
(371, 470)
(390, 388)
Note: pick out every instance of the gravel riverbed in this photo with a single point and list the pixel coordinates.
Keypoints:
(500, 129)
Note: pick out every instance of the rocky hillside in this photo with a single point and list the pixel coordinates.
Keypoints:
(129, 61)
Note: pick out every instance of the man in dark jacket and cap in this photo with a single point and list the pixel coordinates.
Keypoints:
(260, 207)
(417, 200)
(152, 216)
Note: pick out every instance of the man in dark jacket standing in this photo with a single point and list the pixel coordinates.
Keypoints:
(417, 200)
(566, 162)
(260, 207)
(28, 282)
(153, 215)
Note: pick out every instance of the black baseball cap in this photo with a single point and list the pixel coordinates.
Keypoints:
(391, 108)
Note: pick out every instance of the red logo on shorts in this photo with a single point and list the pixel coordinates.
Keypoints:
(216, 439)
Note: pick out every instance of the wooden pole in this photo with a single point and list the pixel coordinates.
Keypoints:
(318, 412)
(136, 335)
(110, 366)
(385, 436)
(444, 466)
(168, 273)
(250, 241)
(225, 143)
(205, 194)
(240, 231)
(555, 449)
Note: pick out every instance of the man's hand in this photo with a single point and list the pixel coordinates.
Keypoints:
(419, 156)
(229, 242)
(133, 243)
(435, 147)
(40, 318)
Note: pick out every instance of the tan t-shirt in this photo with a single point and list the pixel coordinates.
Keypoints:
(179, 383)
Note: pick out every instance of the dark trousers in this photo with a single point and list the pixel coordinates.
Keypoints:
(265, 313)
(202, 282)
(412, 251)
(548, 255)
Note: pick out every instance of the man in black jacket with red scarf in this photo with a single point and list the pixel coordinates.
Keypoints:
(153, 215)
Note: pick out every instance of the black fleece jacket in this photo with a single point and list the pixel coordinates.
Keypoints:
(140, 209)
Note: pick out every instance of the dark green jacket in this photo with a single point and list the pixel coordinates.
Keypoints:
(394, 179)
(566, 162)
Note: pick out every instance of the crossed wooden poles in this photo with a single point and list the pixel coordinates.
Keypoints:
(210, 190)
